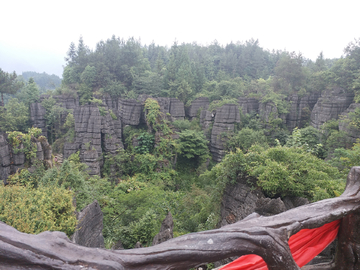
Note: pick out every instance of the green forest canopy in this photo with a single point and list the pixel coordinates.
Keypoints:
(148, 182)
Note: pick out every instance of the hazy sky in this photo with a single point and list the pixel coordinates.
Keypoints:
(35, 35)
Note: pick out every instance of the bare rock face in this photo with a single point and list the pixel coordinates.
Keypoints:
(166, 230)
(88, 232)
(177, 109)
(130, 111)
(201, 103)
(206, 122)
(224, 123)
(37, 117)
(330, 105)
(240, 200)
(11, 162)
(94, 134)
(248, 105)
(5, 159)
(268, 111)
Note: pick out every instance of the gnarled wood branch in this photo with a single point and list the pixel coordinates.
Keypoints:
(264, 236)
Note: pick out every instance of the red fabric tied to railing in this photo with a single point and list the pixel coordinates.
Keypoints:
(304, 246)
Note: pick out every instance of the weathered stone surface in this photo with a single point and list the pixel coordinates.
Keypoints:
(166, 230)
(268, 111)
(218, 140)
(330, 105)
(90, 158)
(225, 118)
(4, 158)
(249, 105)
(206, 122)
(37, 117)
(201, 103)
(228, 114)
(177, 109)
(239, 201)
(11, 162)
(130, 111)
(88, 232)
(269, 207)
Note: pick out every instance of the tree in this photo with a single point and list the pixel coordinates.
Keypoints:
(8, 84)
(14, 116)
(30, 93)
(193, 146)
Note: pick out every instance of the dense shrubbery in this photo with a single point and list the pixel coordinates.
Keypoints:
(157, 173)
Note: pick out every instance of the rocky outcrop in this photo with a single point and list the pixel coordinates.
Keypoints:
(95, 134)
(330, 105)
(199, 104)
(37, 117)
(166, 230)
(88, 232)
(248, 105)
(177, 109)
(268, 111)
(130, 111)
(225, 118)
(11, 162)
(241, 199)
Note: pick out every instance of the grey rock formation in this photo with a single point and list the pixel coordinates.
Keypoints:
(206, 122)
(240, 200)
(88, 231)
(5, 160)
(37, 117)
(224, 123)
(11, 162)
(130, 111)
(268, 111)
(177, 109)
(201, 103)
(248, 105)
(330, 105)
(166, 230)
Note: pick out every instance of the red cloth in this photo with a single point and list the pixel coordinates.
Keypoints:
(304, 246)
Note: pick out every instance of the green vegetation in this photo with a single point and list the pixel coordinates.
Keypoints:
(166, 166)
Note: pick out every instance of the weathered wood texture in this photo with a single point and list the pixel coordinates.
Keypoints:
(264, 236)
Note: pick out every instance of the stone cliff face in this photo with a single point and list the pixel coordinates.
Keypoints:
(11, 162)
(330, 105)
(224, 123)
(97, 133)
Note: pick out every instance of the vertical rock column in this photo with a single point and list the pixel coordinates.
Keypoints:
(225, 119)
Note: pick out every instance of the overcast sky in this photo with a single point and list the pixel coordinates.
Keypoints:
(35, 35)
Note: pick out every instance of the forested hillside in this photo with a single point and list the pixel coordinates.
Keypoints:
(146, 129)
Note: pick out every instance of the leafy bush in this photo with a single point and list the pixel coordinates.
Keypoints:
(245, 138)
(32, 210)
(146, 143)
(280, 171)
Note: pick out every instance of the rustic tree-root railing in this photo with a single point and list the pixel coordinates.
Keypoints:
(264, 236)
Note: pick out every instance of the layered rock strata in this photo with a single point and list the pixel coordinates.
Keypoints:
(224, 123)
(330, 105)
(88, 232)
(11, 162)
